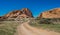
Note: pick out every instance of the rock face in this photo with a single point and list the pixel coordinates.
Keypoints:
(54, 13)
(27, 12)
(19, 14)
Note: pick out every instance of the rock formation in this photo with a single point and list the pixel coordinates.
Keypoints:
(54, 13)
(19, 13)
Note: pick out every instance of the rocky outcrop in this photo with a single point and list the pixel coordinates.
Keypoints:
(27, 12)
(54, 13)
(19, 14)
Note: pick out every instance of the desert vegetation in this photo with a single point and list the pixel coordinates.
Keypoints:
(8, 27)
(48, 24)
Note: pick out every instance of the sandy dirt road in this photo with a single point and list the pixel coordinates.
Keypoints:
(25, 29)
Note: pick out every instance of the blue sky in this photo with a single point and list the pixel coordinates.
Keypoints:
(36, 6)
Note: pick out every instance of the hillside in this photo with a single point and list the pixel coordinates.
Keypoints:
(25, 12)
(53, 13)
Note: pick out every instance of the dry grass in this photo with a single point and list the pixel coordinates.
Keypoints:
(51, 27)
(8, 27)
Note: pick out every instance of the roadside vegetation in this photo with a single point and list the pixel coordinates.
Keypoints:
(47, 24)
(8, 27)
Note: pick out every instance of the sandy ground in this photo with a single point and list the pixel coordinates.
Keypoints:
(25, 29)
